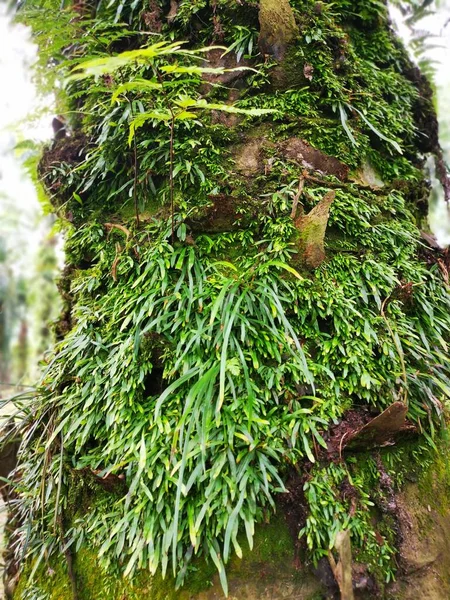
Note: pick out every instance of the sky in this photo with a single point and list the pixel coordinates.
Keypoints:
(21, 223)
(19, 208)
(436, 28)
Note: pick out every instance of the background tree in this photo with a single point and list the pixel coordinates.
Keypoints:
(5, 312)
(252, 323)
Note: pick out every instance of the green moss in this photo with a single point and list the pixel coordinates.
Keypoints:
(273, 548)
(277, 26)
(286, 75)
(49, 580)
(272, 556)
(434, 478)
(147, 209)
(94, 584)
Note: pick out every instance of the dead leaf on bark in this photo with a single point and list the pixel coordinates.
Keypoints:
(382, 430)
(312, 228)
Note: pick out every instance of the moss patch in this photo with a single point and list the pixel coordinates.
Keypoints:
(269, 566)
(277, 27)
(425, 525)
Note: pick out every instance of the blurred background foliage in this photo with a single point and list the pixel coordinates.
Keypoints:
(425, 27)
(29, 252)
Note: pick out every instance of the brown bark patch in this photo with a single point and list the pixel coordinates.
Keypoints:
(234, 70)
(360, 430)
(153, 17)
(293, 507)
(174, 6)
(221, 215)
(69, 150)
(300, 151)
(337, 435)
(8, 460)
(249, 159)
(221, 117)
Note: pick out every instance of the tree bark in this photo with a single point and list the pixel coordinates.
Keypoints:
(337, 318)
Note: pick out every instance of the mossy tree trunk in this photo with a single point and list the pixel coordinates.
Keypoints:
(251, 325)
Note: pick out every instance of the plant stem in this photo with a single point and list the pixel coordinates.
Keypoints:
(136, 209)
(172, 129)
(301, 185)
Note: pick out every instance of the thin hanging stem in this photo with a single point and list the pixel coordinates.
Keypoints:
(301, 185)
(136, 208)
(135, 168)
(171, 155)
(172, 209)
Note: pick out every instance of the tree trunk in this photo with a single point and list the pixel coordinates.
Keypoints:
(252, 350)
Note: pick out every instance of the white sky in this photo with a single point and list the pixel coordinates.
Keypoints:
(20, 213)
(19, 97)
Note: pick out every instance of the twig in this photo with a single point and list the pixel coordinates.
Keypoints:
(136, 209)
(341, 443)
(71, 573)
(117, 226)
(171, 155)
(172, 129)
(342, 570)
(116, 262)
(399, 351)
(301, 185)
(341, 184)
(316, 449)
(323, 182)
(59, 520)
(135, 179)
(47, 458)
(444, 271)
